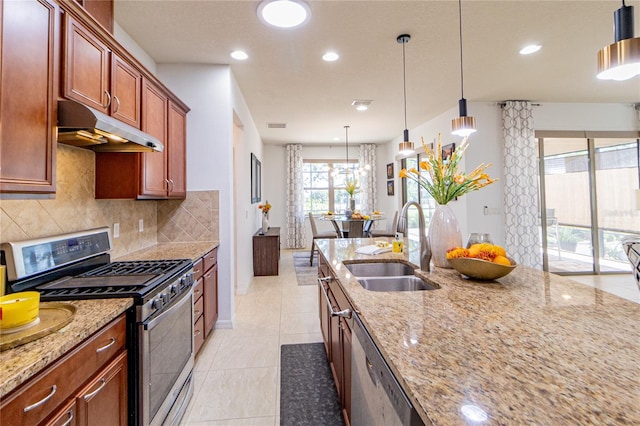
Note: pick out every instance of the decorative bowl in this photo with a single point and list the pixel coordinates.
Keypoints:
(19, 309)
(479, 269)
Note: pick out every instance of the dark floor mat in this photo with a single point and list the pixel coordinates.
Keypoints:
(308, 394)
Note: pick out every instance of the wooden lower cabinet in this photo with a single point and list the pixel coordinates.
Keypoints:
(336, 333)
(104, 400)
(78, 387)
(266, 252)
(205, 297)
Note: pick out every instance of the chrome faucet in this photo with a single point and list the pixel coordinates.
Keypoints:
(425, 248)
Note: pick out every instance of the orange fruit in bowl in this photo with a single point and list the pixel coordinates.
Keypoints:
(502, 260)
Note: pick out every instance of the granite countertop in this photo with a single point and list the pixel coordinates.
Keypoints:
(17, 365)
(529, 348)
(191, 250)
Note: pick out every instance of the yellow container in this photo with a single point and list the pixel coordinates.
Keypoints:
(397, 247)
(19, 309)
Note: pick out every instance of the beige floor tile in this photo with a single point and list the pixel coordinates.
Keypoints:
(209, 350)
(247, 352)
(252, 421)
(292, 339)
(299, 323)
(234, 394)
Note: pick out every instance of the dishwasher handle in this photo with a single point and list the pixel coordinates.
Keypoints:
(346, 313)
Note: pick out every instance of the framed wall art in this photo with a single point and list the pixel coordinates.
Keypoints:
(390, 187)
(390, 171)
(256, 180)
(447, 151)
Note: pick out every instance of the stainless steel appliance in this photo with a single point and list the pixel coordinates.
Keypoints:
(376, 396)
(160, 325)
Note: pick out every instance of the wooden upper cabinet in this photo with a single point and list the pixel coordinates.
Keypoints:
(126, 83)
(86, 62)
(29, 47)
(177, 151)
(101, 10)
(154, 183)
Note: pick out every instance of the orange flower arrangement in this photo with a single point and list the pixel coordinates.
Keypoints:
(265, 207)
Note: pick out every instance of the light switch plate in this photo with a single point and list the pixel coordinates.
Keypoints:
(140, 225)
(116, 230)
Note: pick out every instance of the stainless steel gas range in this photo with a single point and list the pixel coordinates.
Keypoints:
(160, 326)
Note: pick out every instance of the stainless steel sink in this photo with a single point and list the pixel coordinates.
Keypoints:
(379, 269)
(405, 283)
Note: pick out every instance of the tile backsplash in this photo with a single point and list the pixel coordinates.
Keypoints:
(75, 208)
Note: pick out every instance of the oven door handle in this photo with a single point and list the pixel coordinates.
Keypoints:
(186, 298)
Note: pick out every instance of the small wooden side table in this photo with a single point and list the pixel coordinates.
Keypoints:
(266, 252)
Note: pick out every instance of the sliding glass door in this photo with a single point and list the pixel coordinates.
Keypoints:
(588, 189)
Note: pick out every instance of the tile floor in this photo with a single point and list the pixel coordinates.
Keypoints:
(237, 375)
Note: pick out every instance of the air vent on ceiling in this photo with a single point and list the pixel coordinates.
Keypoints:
(277, 125)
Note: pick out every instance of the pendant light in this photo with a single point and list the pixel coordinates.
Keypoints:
(464, 125)
(405, 147)
(620, 60)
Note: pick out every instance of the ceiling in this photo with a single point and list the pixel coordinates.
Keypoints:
(286, 81)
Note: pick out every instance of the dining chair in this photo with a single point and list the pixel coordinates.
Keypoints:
(390, 231)
(318, 235)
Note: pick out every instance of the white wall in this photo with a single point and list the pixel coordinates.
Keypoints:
(594, 117)
(248, 218)
(206, 89)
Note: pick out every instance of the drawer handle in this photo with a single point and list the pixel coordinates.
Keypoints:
(54, 388)
(208, 275)
(197, 271)
(103, 383)
(68, 422)
(196, 314)
(107, 346)
(115, 98)
(197, 333)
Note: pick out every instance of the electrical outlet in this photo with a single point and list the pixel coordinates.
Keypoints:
(116, 230)
(140, 225)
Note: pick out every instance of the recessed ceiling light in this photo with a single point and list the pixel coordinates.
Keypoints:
(532, 48)
(284, 13)
(361, 105)
(239, 55)
(330, 56)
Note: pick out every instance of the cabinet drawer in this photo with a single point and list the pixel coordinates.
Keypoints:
(50, 388)
(198, 289)
(198, 268)
(198, 308)
(210, 259)
(198, 334)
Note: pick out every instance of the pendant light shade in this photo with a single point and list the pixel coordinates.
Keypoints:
(620, 60)
(405, 147)
(464, 125)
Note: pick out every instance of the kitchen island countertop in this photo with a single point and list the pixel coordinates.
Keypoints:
(19, 364)
(529, 348)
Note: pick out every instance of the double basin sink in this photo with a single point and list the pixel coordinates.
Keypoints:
(387, 276)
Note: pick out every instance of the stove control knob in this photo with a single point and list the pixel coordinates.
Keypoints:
(165, 298)
(157, 303)
(174, 288)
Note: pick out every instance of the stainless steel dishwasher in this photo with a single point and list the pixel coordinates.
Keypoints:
(376, 395)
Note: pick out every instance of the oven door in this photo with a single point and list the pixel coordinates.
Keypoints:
(166, 362)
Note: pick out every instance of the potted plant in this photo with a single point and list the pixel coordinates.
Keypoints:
(568, 239)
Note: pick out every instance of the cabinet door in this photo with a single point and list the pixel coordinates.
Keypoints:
(126, 83)
(29, 40)
(336, 362)
(325, 315)
(210, 299)
(346, 356)
(177, 151)
(104, 400)
(86, 72)
(102, 11)
(66, 416)
(154, 122)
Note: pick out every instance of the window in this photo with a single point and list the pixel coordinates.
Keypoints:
(322, 191)
(411, 191)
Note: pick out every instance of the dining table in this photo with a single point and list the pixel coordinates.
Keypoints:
(349, 227)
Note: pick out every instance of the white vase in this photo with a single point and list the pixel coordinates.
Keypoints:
(444, 234)
(265, 223)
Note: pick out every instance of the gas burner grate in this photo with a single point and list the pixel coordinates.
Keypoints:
(92, 291)
(135, 268)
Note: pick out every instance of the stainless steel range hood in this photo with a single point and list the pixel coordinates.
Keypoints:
(85, 127)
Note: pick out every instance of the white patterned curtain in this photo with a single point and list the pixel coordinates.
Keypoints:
(368, 199)
(295, 198)
(520, 184)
